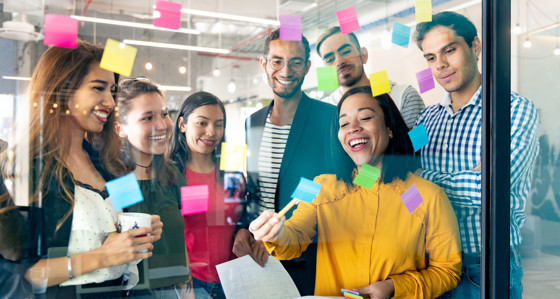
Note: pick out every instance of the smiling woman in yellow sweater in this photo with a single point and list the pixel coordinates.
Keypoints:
(367, 239)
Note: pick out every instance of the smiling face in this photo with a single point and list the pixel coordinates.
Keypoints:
(338, 50)
(92, 102)
(453, 62)
(203, 129)
(363, 133)
(147, 125)
(286, 82)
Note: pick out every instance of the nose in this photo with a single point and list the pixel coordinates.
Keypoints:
(161, 124)
(441, 63)
(211, 131)
(338, 59)
(108, 101)
(286, 70)
(354, 126)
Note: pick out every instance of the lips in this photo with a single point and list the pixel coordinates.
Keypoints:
(101, 114)
(358, 143)
(446, 77)
(208, 142)
(285, 82)
(158, 137)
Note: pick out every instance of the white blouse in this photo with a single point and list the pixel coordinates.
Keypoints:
(93, 219)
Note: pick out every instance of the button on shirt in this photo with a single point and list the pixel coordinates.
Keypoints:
(454, 150)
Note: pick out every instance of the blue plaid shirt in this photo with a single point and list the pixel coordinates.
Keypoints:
(455, 149)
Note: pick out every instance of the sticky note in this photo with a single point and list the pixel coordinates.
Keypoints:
(327, 78)
(124, 191)
(379, 83)
(425, 80)
(367, 176)
(348, 20)
(401, 34)
(232, 157)
(423, 10)
(349, 291)
(60, 31)
(418, 137)
(118, 57)
(412, 198)
(352, 296)
(167, 14)
(306, 190)
(194, 199)
(290, 27)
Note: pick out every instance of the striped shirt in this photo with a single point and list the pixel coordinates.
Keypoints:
(455, 149)
(272, 148)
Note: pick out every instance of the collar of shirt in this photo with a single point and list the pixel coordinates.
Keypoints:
(476, 99)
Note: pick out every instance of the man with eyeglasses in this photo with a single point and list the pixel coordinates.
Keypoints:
(288, 139)
(344, 52)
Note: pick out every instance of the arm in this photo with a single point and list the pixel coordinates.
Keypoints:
(412, 105)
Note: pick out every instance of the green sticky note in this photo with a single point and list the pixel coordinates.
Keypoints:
(118, 57)
(326, 78)
(423, 10)
(379, 83)
(367, 176)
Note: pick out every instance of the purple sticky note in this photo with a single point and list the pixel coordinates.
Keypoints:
(290, 27)
(425, 80)
(167, 14)
(60, 31)
(348, 20)
(194, 199)
(411, 198)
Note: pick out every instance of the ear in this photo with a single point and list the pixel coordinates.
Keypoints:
(308, 66)
(182, 127)
(262, 61)
(389, 132)
(476, 46)
(364, 55)
(120, 130)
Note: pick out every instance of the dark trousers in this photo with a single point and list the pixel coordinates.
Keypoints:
(302, 270)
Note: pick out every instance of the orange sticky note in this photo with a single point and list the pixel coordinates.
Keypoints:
(233, 157)
(423, 10)
(118, 57)
(379, 83)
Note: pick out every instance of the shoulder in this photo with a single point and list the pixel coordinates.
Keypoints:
(427, 189)
(429, 112)
(331, 189)
(521, 104)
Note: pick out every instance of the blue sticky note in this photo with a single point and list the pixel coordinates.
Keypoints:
(401, 34)
(418, 137)
(124, 191)
(306, 190)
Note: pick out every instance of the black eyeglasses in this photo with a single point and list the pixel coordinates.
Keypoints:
(295, 64)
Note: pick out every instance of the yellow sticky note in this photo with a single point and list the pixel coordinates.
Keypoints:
(118, 57)
(233, 157)
(423, 10)
(379, 83)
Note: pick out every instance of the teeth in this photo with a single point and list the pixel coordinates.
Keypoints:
(358, 141)
(100, 114)
(285, 82)
(161, 137)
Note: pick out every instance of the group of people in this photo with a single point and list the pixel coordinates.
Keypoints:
(87, 127)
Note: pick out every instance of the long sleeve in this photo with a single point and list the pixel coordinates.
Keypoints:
(412, 105)
(462, 187)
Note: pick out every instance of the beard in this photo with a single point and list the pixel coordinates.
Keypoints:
(284, 93)
(348, 80)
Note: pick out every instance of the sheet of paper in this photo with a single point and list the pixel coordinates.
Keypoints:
(348, 20)
(290, 27)
(194, 199)
(60, 31)
(306, 190)
(425, 80)
(367, 176)
(401, 34)
(412, 198)
(423, 10)
(232, 157)
(327, 78)
(243, 278)
(124, 191)
(167, 14)
(418, 137)
(118, 57)
(379, 83)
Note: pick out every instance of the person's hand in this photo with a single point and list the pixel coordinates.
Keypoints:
(478, 167)
(419, 171)
(157, 228)
(379, 289)
(244, 244)
(266, 227)
(125, 247)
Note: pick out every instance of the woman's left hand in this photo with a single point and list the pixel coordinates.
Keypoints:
(157, 228)
(379, 289)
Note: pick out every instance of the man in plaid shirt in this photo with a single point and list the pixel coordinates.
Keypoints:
(451, 159)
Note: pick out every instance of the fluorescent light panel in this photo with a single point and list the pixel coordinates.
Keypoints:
(133, 24)
(230, 17)
(16, 78)
(175, 46)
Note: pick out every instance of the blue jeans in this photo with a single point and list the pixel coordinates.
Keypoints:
(208, 290)
(469, 286)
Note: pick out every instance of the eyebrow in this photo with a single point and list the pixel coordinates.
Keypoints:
(442, 48)
(221, 119)
(99, 81)
(282, 58)
(344, 46)
(360, 109)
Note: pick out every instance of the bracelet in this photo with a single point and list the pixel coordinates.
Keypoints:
(69, 268)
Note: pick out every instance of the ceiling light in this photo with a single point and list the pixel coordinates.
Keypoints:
(16, 78)
(527, 43)
(182, 69)
(230, 17)
(148, 66)
(174, 88)
(133, 24)
(516, 30)
(386, 39)
(175, 46)
(216, 72)
(556, 51)
(231, 86)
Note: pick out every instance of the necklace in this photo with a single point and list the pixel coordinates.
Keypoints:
(146, 167)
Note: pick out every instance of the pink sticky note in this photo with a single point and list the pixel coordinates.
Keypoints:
(194, 199)
(167, 14)
(60, 31)
(348, 20)
(425, 80)
(412, 198)
(290, 27)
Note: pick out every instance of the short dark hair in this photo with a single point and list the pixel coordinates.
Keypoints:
(274, 35)
(462, 26)
(398, 158)
(332, 31)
